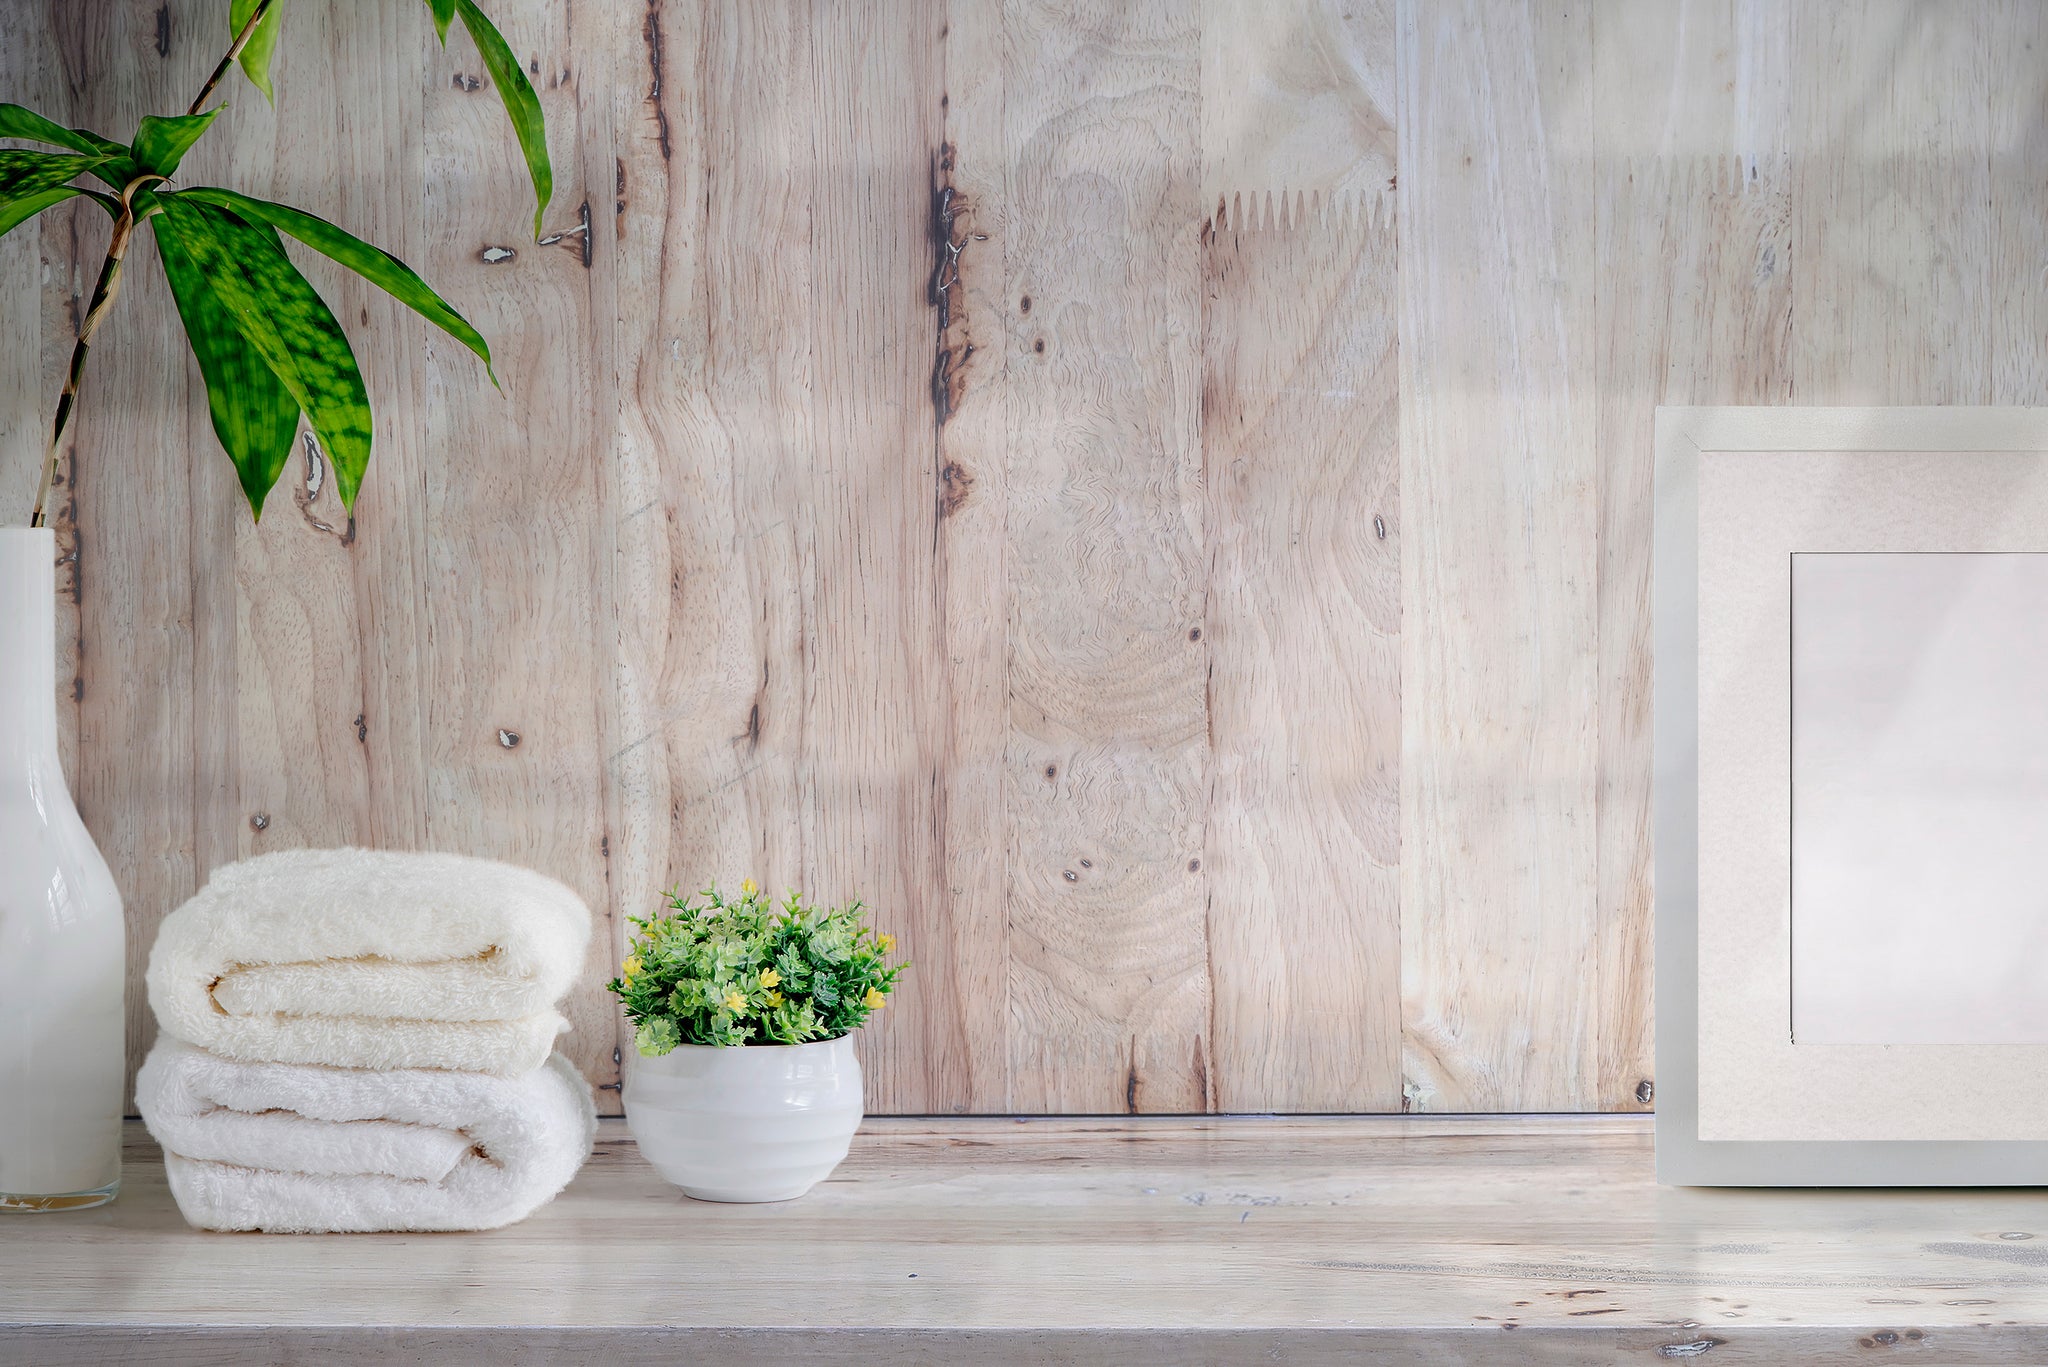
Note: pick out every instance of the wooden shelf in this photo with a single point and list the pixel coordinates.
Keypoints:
(1121, 1242)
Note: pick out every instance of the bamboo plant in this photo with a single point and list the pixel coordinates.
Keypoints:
(268, 347)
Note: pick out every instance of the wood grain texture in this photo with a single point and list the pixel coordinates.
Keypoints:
(1298, 97)
(126, 511)
(879, 429)
(1107, 756)
(2018, 162)
(515, 583)
(964, 934)
(1499, 497)
(1301, 433)
(1693, 187)
(331, 640)
(878, 765)
(1406, 1239)
(1893, 211)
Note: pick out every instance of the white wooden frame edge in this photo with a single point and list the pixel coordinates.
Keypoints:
(1683, 1158)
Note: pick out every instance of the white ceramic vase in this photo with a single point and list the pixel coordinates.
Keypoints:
(62, 945)
(751, 1122)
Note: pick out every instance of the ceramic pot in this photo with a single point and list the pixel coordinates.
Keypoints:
(62, 946)
(751, 1122)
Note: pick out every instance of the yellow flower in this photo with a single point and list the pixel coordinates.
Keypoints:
(630, 967)
(874, 1000)
(770, 978)
(775, 999)
(749, 887)
(887, 942)
(734, 1002)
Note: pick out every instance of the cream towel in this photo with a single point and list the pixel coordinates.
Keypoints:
(371, 959)
(296, 1149)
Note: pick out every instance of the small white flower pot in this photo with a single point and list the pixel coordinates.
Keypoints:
(751, 1122)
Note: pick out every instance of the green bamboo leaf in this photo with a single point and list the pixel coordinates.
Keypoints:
(444, 14)
(114, 166)
(521, 104)
(161, 143)
(374, 264)
(254, 415)
(256, 53)
(25, 174)
(19, 122)
(15, 212)
(286, 322)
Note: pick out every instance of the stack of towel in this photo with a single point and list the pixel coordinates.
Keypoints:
(357, 1040)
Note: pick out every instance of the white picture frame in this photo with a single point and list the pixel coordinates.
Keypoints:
(1918, 1097)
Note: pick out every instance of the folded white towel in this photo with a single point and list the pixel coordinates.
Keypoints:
(371, 959)
(299, 1149)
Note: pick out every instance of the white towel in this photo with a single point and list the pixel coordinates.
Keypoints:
(371, 959)
(298, 1149)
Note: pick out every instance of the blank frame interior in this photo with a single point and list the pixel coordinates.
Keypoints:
(1919, 798)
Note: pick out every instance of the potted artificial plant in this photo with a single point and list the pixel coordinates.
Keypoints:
(746, 1087)
(270, 351)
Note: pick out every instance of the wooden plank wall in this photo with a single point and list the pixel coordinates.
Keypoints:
(1152, 494)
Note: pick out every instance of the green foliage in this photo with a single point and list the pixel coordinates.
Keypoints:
(29, 126)
(521, 104)
(444, 15)
(747, 971)
(160, 144)
(268, 346)
(32, 173)
(254, 415)
(31, 182)
(257, 52)
(285, 322)
(374, 264)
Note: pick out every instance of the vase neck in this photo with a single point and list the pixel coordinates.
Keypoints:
(28, 646)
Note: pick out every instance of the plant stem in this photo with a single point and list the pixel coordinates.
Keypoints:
(234, 51)
(104, 292)
(108, 288)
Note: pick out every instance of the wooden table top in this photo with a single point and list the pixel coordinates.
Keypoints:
(1125, 1241)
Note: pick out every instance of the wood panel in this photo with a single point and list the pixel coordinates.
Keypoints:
(1893, 211)
(965, 937)
(1301, 432)
(1693, 190)
(713, 522)
(2018, 182)
(895, 493)
(876, 723)
(1107, 756)
(818, 746)
(515, 586)
(330, 643)
(27, 64)
(125, 513)
(1499, 498)
(1234, 1241)
(1300, 427)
